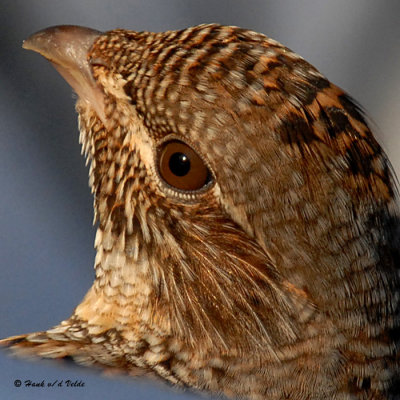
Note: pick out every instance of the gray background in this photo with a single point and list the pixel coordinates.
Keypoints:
(46, 237)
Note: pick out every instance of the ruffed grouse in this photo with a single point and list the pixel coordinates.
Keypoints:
(247, 238)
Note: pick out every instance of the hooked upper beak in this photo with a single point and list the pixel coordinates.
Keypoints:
(67, 48)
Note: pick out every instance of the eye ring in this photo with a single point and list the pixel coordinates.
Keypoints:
(181, 167)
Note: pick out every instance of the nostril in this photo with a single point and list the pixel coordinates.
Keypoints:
(99, 62)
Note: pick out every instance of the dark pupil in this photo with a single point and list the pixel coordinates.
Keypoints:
(179, 164)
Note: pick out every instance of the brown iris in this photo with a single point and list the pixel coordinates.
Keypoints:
(181, 167)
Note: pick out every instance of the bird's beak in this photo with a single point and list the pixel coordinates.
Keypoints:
(67, 48)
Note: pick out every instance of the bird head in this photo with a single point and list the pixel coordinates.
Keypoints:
(240, 197)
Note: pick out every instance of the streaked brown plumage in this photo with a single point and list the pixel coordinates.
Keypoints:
(266, 266)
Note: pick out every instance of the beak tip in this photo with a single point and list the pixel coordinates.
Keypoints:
(40, 40)
(26, 45)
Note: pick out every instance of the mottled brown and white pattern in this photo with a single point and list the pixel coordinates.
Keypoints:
(278, 278)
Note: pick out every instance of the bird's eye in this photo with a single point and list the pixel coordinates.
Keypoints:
(181, 167)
